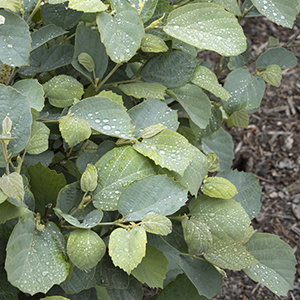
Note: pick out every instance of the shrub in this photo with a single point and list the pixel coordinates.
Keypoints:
(111, 138)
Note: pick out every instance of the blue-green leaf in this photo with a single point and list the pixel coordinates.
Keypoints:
(14, 40)
(207, 26)
(36, 260)
(172, 69)
(154, 194)
(152, 112)
(121, 34)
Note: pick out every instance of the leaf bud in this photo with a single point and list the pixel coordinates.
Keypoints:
(88, 181)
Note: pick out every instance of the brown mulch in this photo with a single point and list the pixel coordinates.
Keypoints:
(270, 149)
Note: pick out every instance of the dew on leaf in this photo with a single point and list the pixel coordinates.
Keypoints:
(106, 127)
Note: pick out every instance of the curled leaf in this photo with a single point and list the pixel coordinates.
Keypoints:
(214, 187)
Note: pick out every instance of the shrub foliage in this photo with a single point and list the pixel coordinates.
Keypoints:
(115, 168)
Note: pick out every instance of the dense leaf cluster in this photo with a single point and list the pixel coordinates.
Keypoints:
(115, 168)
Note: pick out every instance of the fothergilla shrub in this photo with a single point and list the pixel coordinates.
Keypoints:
(115, 168)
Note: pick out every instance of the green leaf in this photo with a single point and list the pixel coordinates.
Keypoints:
(172, 69)
(144, 90)
(45, 34)
(33, 90)
(116, 170)
(180, 45)
(157, 224)
(152, 131)
(218, 187)
(252, 11)
(87, 6)
(229, 254)
(45, 158)
(38, 141)
(154, 44)
(9, 211)
(14, 40)
(147, 10)
(55, 1)
(236, 62)
(240, 118)
(195, 103)
(180, 289)
(276, 56)
(55, 298)
(152, 112)
(214, 124)
(35, 62)
(57, 57)
(194, 173)
(222, 145)
(12, 186)
(203, 275)
(85, 248)
(188, 133)
(78, 280)
(112, 277)
(3, 197)
(69, 198)
(93, 156)
(86, 61)
(121, 34)
(154, 194)
(207, 26)
(74, 130)
(170, 252)
(83, 295)
(225, 218)
(276, 263)
(17, 107)
(168, 149)
(13, 5)
(230, 5)
(91, 220)
(197, 235)
(28, 5)
(133, 291)
(176, 239)
(152, 269)
(104, 115)
(88, 181)
(272, 42)
(88, 41)
(206, 79)
(162, 10)
(249, 191)
(60, 15)
(27, 249)
(43, 179)
(63, 90)
(246, 91)
(127, 248)
(273, 75)
(213, 162)
(280, 12)
(7, 291)
(112, 96)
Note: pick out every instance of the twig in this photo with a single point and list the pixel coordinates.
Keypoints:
(281, 229)
(262, 178)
